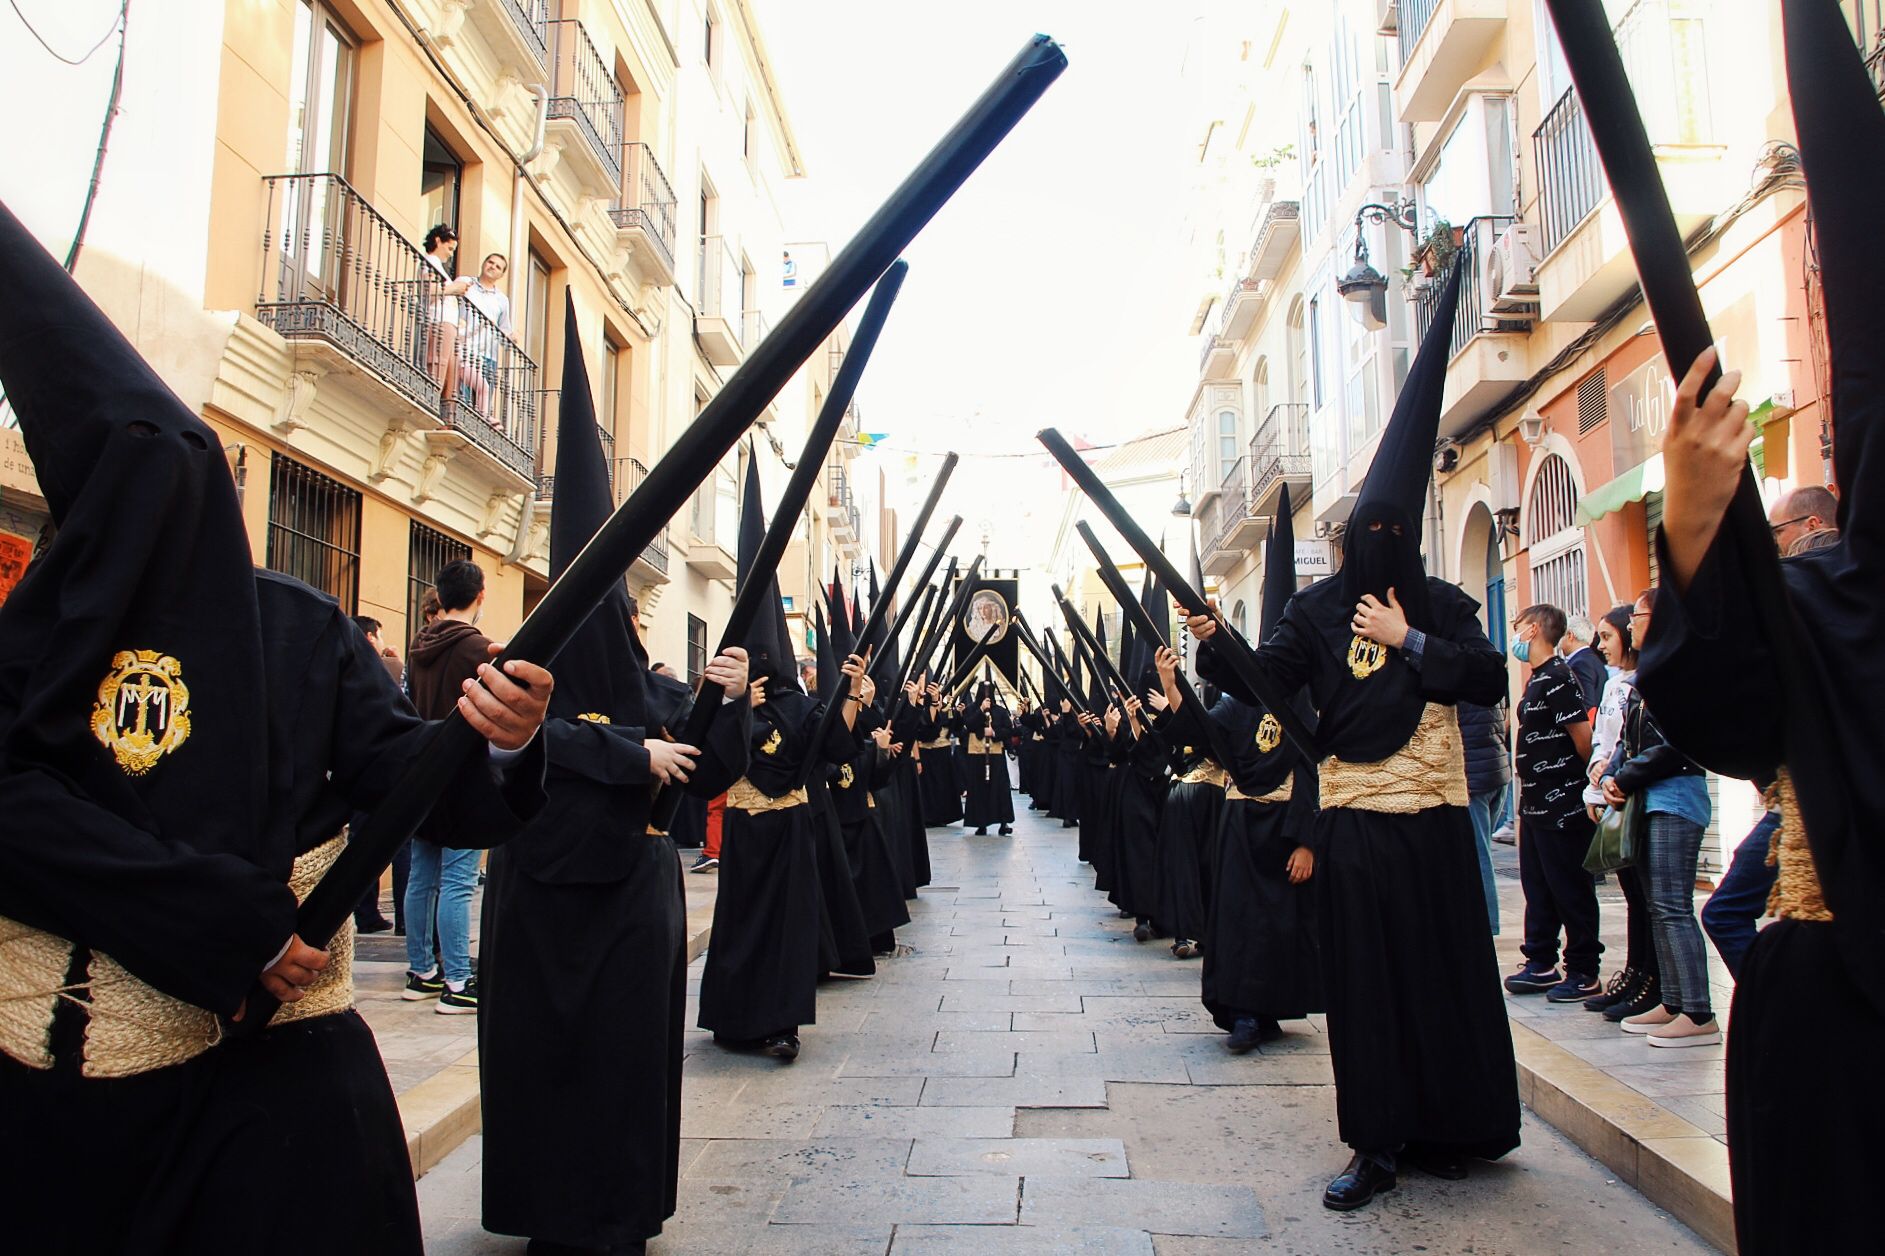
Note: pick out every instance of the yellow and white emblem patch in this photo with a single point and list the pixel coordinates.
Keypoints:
(595, 717)
(1365, 657)
(771, 744)
(143, 709)
(846, 776)
(1269, 733)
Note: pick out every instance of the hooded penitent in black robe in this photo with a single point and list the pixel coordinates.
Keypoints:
(176, 730)
(985, 734)
(583, 943)
(855, 787)
(941, 779)
(1183, 845)
(1804, 1109)
(1070, 776)
(844, 946)
(1417, 1027)
(1047, 729)
(1137, 800)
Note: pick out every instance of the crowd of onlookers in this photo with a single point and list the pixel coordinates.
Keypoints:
(1584, 775)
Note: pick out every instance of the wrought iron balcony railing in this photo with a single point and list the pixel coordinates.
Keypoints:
(1472, 318)
(532, 20)
(1280, 449)
(656, 555)
(647, 200)
(1414, 16)
(583, 90)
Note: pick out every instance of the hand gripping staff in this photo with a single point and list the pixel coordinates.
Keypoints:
(914, 612)
(1048, 666)
(1122, 593)
(934, 598)
(757, 589)
(1228, 642)
(1104, 666)
(679, 472)
(918, 663)
(874, 626)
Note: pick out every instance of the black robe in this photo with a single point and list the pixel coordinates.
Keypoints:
(844, 945)
(912, 727)
(1069, 769)
(941, 778)
(761, 975)
(1136, 801)
(1417, 1027)
(990, 799)
(856, 789)
(583, 987)
(1183, 848)
(1262, 953)
(187, 1158)
(1044, 757)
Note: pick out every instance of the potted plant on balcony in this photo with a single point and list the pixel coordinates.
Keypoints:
(1436, 250)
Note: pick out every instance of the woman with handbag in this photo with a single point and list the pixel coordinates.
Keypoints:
(1636, 987)
(1675, 795)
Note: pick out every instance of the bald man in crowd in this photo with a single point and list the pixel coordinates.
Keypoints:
(1804, 519)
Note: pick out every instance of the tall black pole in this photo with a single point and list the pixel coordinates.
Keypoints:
(1048, 667)
(1227, 641)
(950, 617)
(880, 612)
(910, 612)
(755, 593)
(679, 472)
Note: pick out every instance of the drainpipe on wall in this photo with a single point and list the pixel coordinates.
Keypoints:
(519, 248)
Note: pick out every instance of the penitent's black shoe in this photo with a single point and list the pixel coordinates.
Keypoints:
(1441, 1162)
(782, 1047)
(1361, 1181)
(982, 832)
(1006, 831)
(1067, 824)
(1245, 1034)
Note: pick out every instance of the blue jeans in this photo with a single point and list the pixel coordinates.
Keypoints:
(1489, 810)
(1741, 898)
(442, 880)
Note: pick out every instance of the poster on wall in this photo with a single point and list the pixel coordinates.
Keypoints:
(20, 537)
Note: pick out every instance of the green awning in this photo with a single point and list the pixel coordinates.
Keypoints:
(1632, 486)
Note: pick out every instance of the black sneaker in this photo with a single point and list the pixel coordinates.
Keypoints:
(1622, 987)
(1575, 988)
(427, 987)
(1533, 978)
(782, 1047)
(1245, 1034)
(706, 863)
(459, 1002)
(1648, 995)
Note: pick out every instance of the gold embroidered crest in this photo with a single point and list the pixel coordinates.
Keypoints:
(595, 717)
(1269, 733)
(771, 744)
(846, 776)
(1365, 657)
(143, 709)
(1190, 750)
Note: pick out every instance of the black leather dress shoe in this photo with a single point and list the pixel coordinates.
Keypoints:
(1360, 1182)
(782, 1047)
(1440, 1162)
(1245, 1034)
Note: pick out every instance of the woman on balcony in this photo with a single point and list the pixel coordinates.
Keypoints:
(446, 312)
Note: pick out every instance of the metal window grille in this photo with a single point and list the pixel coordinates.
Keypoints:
(314, 530)
(1593, 401)
(1560, 574)
(696, 648)
(427, 550)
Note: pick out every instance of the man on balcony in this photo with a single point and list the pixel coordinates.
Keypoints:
(482, 340)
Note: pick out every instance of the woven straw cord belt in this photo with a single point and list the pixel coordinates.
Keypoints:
(941, 743)
(1282, 793)
(986, 746)
(1796, 894)
(131, 1028)
(748, 797)
(1429, 771)
(1209, 772)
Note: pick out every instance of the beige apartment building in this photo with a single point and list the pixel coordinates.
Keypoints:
(266, 247)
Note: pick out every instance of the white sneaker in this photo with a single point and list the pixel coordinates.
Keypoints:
(1643, 1022)
(1684, 1032)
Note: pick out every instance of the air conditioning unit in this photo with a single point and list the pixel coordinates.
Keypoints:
(1512, 272)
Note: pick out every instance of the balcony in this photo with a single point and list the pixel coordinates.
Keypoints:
(1279, 455)
(719, 319)
(1486, 352)
(713, 523)
(357, 298)
(1269, 249)
(644, 216)
(1218, 359)
(516, 31)
(1443, 43)
(1228, 527)
(586, 109)
(1586, 264)
(655, 557)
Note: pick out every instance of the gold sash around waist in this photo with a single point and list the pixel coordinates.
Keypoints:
(1209, 772)
(1037, 737)
(941, 743)
(985, 746)
(1282, 793)
(748, 797)
(131, 1028)
(1429, 771)
(1796, 894)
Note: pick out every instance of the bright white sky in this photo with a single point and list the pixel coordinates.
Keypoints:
(1056, 287)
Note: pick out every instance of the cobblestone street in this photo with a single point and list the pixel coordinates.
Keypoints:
(1032, 1080)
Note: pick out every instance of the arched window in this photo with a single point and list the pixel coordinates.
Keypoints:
(1238, 619)
(1554, 539)
(1260, 391)
(1298, 355)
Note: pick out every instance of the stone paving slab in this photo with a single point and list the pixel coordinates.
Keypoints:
(923, 1240)
(962, 1121)
(1017, 1092)
(873, 1063)
(1054, 1040)
(1018, 1157)
(832, 1200)
(1159, 1207)
(737, 1159)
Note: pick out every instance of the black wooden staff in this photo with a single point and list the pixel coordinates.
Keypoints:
(1107, 672)
(699, 448)
(926, 627)
(950, 617)
(755, 594)
(1063, 666)
(914, 612)
(880, 612)
(967, 668)
(1048, 669)
(1135, 610)
(1227, 641)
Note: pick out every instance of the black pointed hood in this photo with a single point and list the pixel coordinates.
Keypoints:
(1279, 568)
(131, 666)
(1381, 545)
(769, 641)
(827, 657)
(1098, 681)
(601, 671)
(843, 631)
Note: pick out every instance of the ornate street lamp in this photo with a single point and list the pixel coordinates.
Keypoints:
(1363, 286)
